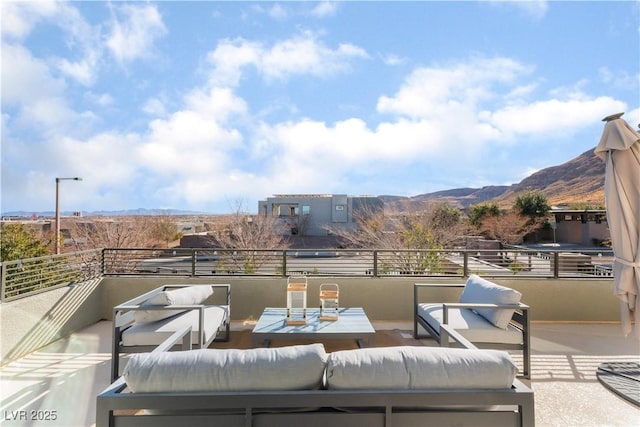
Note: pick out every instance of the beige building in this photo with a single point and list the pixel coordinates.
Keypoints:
(581, 227)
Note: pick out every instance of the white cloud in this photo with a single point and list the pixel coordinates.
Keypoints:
(155, 107)
(19, 18)
(492, 98)
(440, 91)
(39, 97)
(106, 158)
(620, 79)
(25, 78)
(522, 91)
(552, 116)
(277, 11)
(536, 9)
(299, 55)
(83, 37)
(188, 154)
(325, 8)
(392, 59)
(312, 154)
(134, 30)
(230, 57)
(84, 71)
(101, 99)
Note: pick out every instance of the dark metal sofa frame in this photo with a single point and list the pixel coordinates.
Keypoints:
(520, 321)
(514, 406)
(124, 314)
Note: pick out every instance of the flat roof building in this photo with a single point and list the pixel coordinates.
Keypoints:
(318, 214)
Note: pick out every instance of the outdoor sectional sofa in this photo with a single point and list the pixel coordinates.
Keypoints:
(303, 385)
(144, 322)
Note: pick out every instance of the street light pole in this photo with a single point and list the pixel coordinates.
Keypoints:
(75, 178)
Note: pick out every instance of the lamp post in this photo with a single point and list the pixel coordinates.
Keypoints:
(58, 208)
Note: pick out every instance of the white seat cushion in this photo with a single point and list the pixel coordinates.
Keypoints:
(299, 367)
(482, 291)
(469, 324)
(154, 333)
(411, 368)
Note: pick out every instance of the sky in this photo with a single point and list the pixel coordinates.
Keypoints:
(212, 106)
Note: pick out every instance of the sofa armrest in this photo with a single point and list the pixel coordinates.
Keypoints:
(520, 315)
(446, 306)
(447, 332)
(226, 288)
(417, 287)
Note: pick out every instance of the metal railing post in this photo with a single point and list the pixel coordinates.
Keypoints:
(375, 263)
(3, 281)
(284, 263)
(465, 264)
(194, 256)
(556, 265)
(103, 264)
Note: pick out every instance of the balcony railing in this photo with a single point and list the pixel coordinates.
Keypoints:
(25, 277)
(30, 276)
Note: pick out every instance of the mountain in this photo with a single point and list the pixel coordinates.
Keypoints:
(578, 181)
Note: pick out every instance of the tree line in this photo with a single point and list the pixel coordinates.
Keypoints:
(435, 226)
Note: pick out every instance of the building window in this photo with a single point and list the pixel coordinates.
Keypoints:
(306, 209)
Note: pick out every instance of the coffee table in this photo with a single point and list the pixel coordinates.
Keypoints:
(352, 323)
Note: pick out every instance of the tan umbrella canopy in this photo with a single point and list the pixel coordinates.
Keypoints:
(619, 147)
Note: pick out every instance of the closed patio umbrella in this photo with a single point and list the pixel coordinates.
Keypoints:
(619, 147)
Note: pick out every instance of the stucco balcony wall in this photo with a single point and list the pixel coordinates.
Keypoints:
(33, 322)
(557, 300)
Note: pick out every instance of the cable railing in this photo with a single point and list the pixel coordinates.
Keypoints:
(25, 277)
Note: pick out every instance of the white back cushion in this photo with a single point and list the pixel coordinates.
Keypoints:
(188, 295)
(406, 367)
(298, 367)
(479, 290)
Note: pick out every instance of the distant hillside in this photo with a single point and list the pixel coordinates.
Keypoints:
(580, 180)
(127, 212)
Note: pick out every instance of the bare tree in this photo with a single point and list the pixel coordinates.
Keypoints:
(252, 234)
(121, 232)
(509, 227)
(374, 229)
(131, 232)
(412, 240)
(163, 229)
(436, 226)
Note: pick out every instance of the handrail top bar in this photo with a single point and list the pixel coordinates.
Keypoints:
(20, 278)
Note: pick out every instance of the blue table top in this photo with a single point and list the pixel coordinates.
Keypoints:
(350, 320)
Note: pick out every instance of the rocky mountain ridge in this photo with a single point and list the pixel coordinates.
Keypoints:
(578, 181)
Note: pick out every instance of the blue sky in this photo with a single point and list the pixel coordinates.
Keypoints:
(210, 105)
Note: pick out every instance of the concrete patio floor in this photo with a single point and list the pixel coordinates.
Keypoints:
(57, 385)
